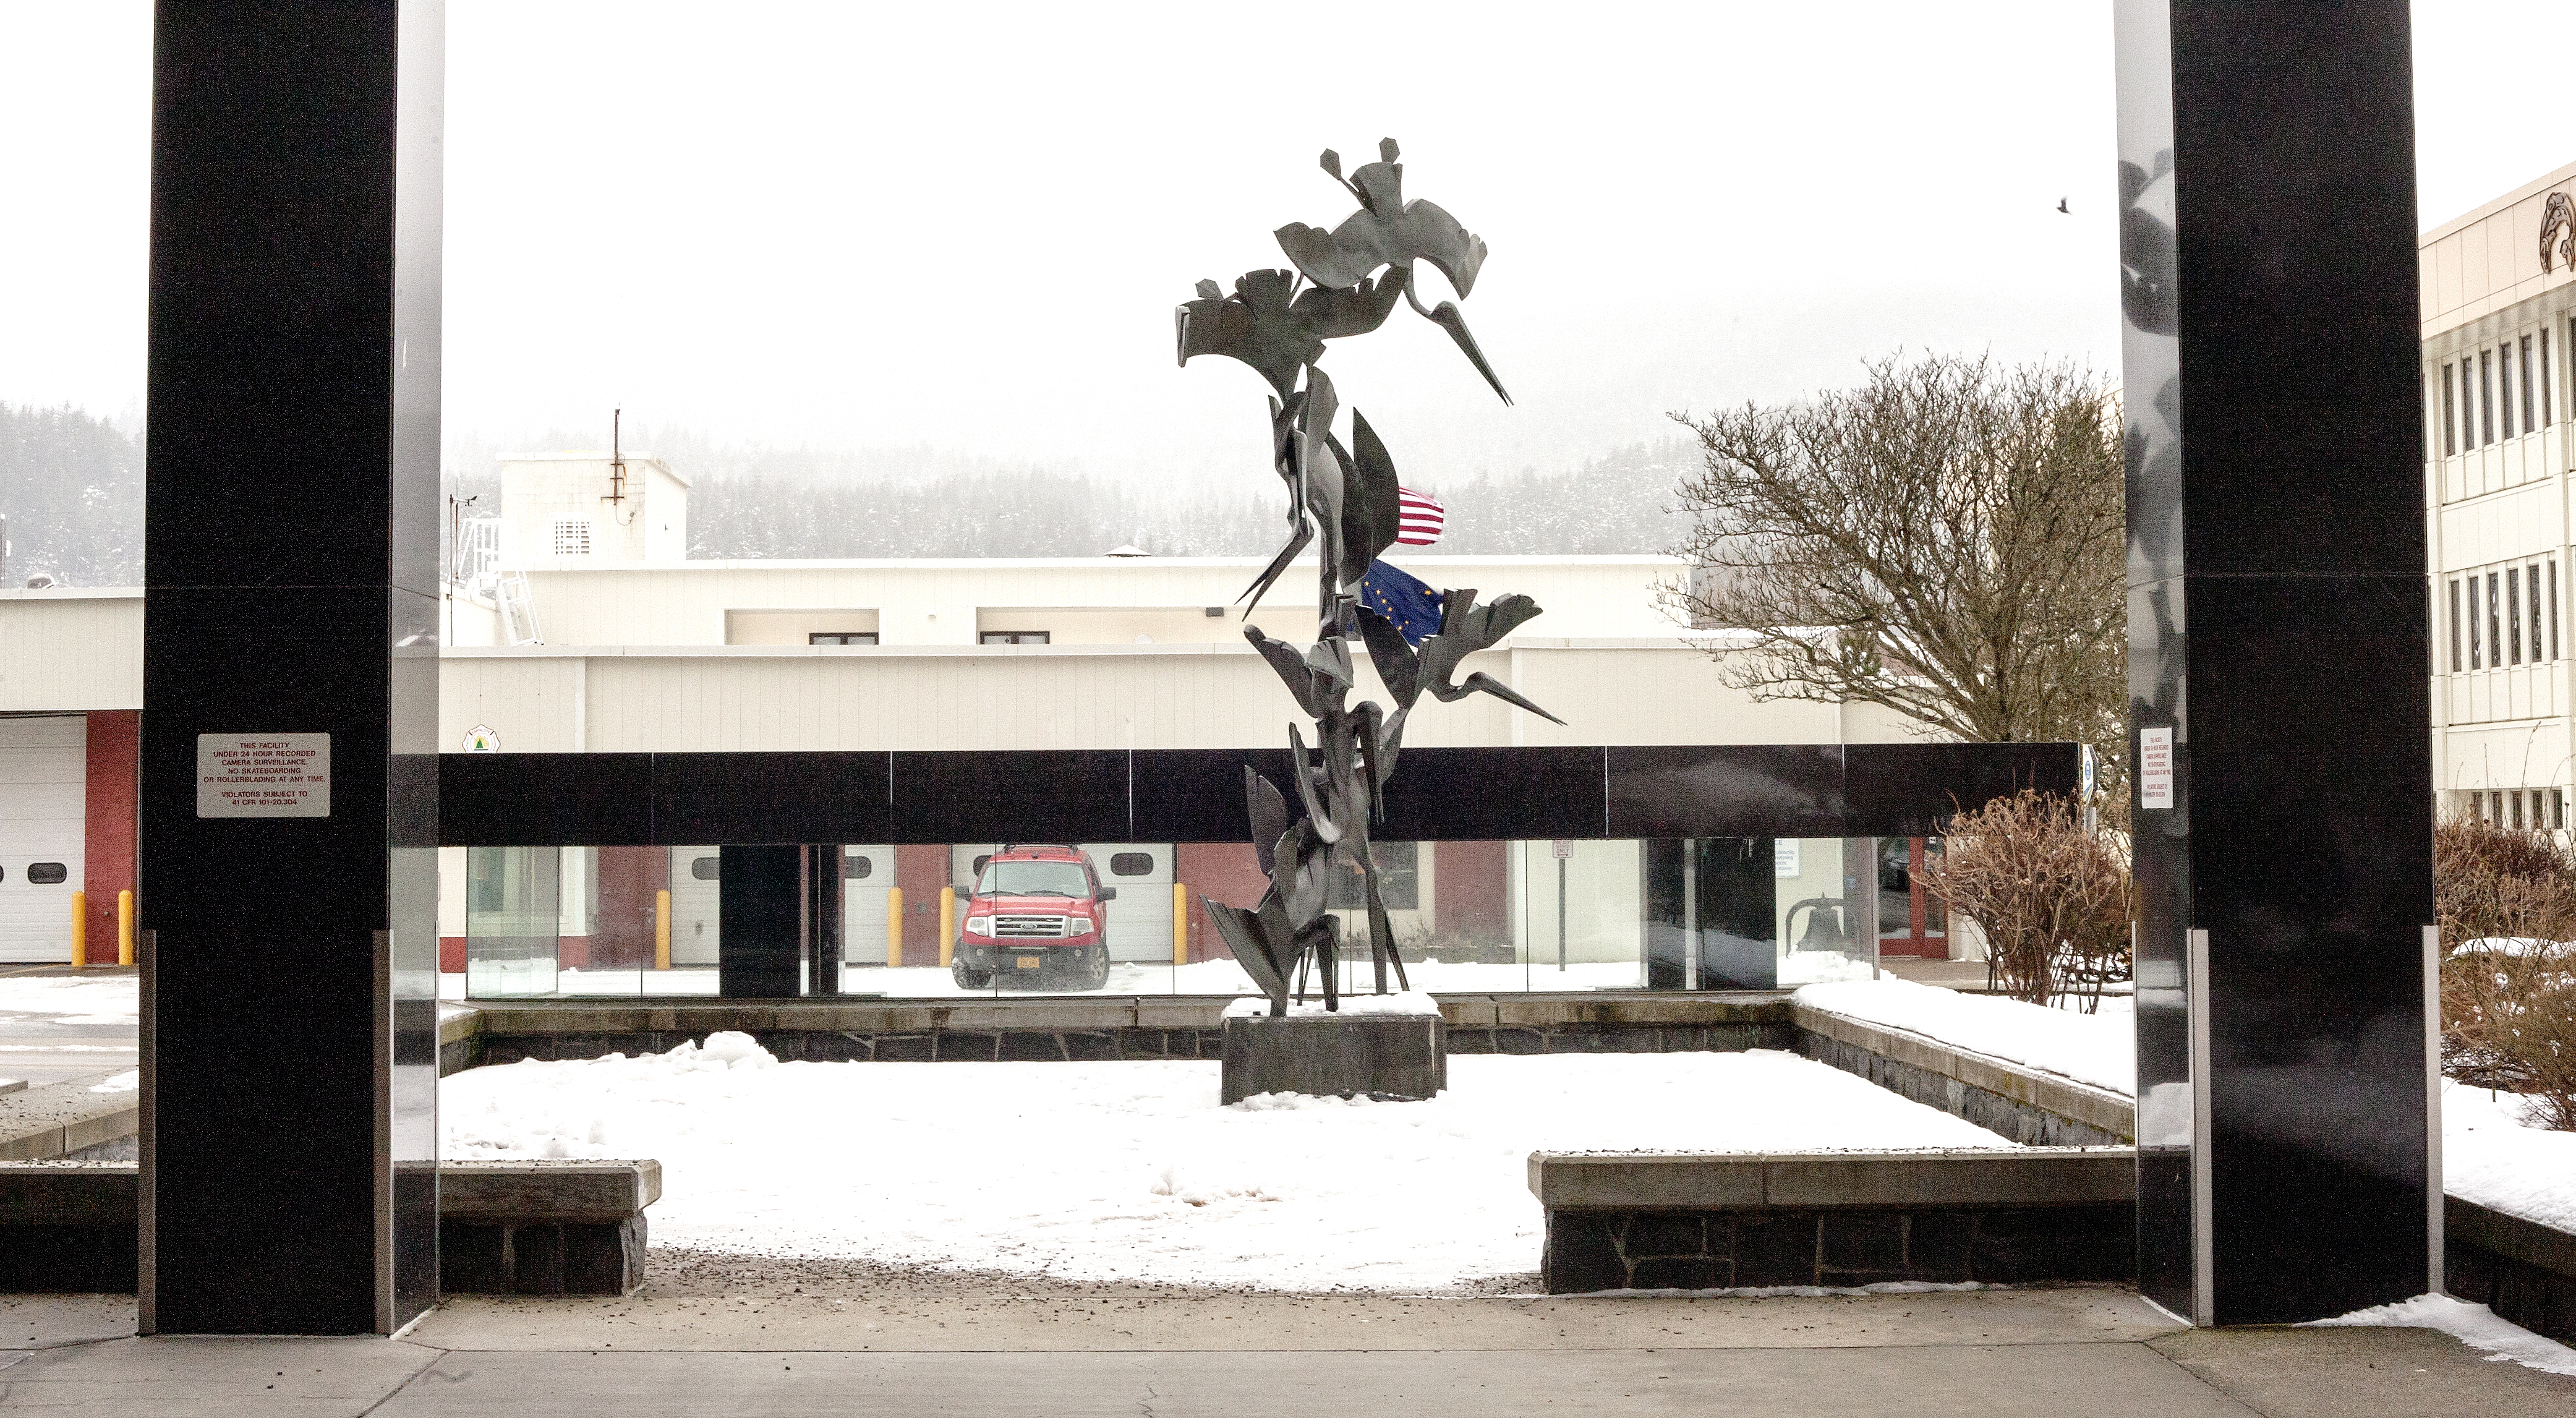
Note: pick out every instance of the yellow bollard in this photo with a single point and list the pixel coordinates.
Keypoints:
(947, 926)
(125, 928)
(661, 930)
(80, 930)
(1180, 924)
(894, 926)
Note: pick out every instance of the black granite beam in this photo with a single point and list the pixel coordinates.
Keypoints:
(1196, 795)
(291, 488)
(2277, 643)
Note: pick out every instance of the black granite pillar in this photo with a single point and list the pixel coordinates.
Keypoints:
(2277, 644)
(290, 686)
(760, 907)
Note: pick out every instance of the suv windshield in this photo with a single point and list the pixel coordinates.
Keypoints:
(1033, 879)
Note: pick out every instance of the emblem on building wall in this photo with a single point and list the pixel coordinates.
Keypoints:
(2557, 230)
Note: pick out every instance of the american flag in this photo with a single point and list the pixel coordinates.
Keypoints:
(1419, 518)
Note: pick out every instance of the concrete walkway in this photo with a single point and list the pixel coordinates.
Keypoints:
(2097, 1353)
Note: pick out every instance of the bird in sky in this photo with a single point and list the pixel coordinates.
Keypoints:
(2061, 205)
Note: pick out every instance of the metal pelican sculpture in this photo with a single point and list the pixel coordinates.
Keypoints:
(1346, 282)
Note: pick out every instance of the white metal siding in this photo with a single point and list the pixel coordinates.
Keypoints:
(43, 798)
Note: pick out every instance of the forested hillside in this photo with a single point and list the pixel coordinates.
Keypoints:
(72, 489)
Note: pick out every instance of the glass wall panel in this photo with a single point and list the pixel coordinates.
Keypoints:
(998, 919)
(513, 911)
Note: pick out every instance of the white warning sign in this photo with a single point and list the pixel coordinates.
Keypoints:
(263, 775)
(2156, 768)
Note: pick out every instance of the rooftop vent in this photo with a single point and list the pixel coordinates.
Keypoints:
(1127, 549)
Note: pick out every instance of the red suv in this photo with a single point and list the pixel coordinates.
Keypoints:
(1038, 918)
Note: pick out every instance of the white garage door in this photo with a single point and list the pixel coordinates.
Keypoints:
(1140, 920)
(694, 902)
(866, 874)
(43, 783)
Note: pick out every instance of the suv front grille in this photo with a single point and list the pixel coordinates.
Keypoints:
(1028, 927)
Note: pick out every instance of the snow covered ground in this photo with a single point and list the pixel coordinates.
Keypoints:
(1131, 1171)
(71, 1000)
(2491, 1158)
(2474, 1325)
(2099, 1049)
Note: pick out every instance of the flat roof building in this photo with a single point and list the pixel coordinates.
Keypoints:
(2499, 321)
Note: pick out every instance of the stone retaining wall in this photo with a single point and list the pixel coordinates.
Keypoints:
(1089, 1029)
(2521, 1269)
(2030, 1107)
(1648, 1222)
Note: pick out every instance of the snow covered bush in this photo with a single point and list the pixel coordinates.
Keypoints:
(2051, 895)
(2505, 898)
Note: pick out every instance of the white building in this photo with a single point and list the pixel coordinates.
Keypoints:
(2499, 324)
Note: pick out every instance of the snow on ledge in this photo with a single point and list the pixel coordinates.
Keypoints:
(2099, 1050)
(1412, 1002)
(2473, 1325)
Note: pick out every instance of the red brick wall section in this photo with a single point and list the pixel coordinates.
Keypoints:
(630, 878)
(451, 955)
(108, 834)
(1471, 890)
(1225, 870)
(921, 871)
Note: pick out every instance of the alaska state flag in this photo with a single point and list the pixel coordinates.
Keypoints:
(1403, 602)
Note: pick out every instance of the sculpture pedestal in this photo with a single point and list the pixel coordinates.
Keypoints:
(1384, 1055)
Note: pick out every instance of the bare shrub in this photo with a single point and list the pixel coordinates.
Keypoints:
(2052, 897)
(2505, 899)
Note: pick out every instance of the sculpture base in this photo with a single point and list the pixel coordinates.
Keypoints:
(1390, 1057)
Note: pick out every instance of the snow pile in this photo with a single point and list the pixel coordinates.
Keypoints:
(126, 1082)
(1412, 1003)
(2473, 1325)
(1114, 1171)
(71, 1000)
(2098, 1049)
(2490, 1157)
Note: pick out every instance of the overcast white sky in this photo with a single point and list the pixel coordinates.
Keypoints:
(966, 225)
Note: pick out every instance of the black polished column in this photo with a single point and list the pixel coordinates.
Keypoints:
(760, 911)
(289, 1027)
(2277, 642)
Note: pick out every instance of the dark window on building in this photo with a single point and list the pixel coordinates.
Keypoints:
(2456, 666)
(2468, 409)
(2450, 424)
(705, 868)
(2504, 388)
(1131, 864)
(2477, 640)
(2527, 424)
(2558, 808)
(2531, 590)
(46, 874)
(842, 637)
(1015, 637)
(2495, 620)
(856, 868)
(2544, 382)
(2553, 610)
(2486, 397)
(1398, 880)
(2513, 614)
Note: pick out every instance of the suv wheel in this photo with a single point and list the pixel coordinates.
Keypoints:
(1096, 972)
(969, 979)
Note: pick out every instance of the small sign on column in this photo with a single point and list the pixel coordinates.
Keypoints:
(263, 775)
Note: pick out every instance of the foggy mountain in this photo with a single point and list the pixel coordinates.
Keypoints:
(753, 502)
(72, 489)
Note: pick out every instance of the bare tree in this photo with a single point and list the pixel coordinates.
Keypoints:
(1946, 540)
(2051, 894)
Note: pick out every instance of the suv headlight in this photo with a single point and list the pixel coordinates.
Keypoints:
(1077, 925)
(979, 925)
